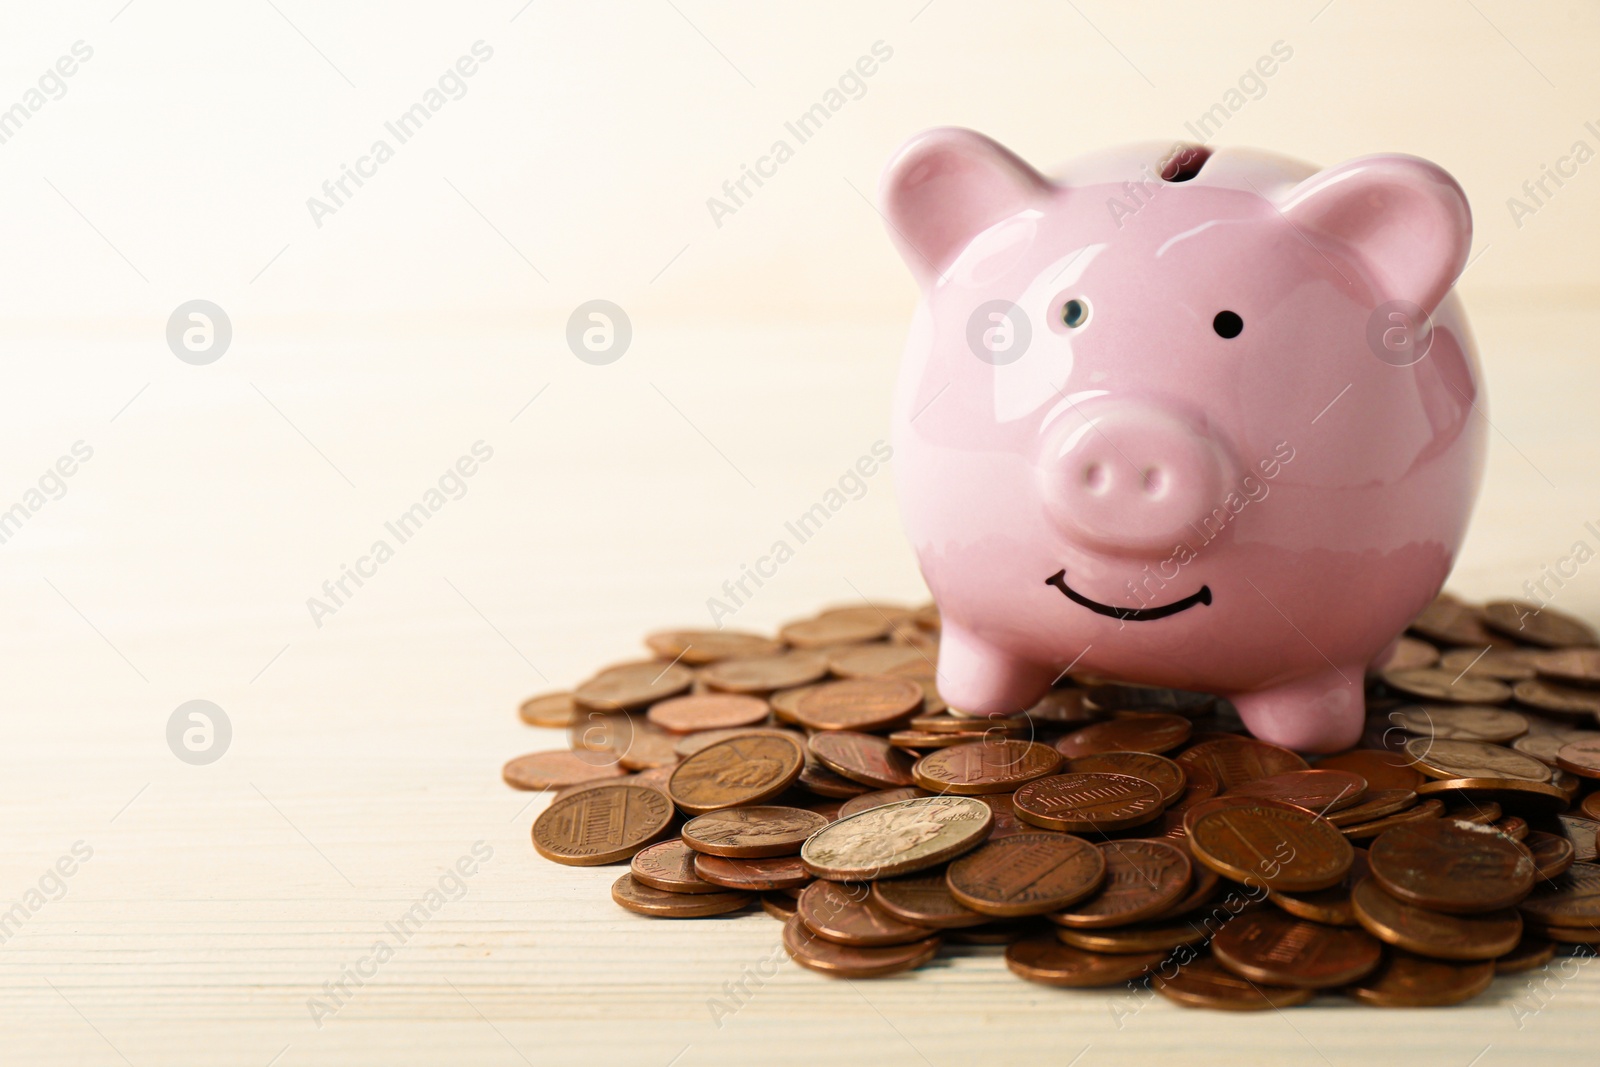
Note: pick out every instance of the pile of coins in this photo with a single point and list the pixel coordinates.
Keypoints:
(1113, 833)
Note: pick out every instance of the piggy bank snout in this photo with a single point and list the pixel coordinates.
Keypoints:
(1130, 478)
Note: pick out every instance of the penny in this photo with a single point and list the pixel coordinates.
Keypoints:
(1552, 854)
(985, 767)
(1581, 833)
(1203, 886)
(867, 661)
(669, 866)
(751, 833)
(1319, 791)
(920, 741)
(699, 647)
(656, 779)
(1087, 802)
(1006, 822)
(880, 797)
(602, 824)
(898, 838)
(1273, 947)
(1044, 959)
(765, 674)
(1154, 936)
(1027, 874)
(1405, 980)
(1578, 666)
(552, 710)
(1544, 746)
(633, 685)
(1580, 757)
(1330, 905)
(1204, 983)
(1452, 622)
(1553, 696)
(1433, 933)
(1375, 805)
(1570, 935)
(924, 899)
(648, 748)
(842, 629)
(1543, 796)
(1143, 880)
(1130, 732)
(1473, 759)
(887, 614)
(1535, 625)
(1460, 722)
(708, 711)
(741, 770)
(843, 912)
(1531, 952)
(1505, 664)
(863, 758)
(1168, 778)
(860, 704)
(558, 768)
(945, 723)
(1277, 845)
(780, 906)
(1064, 707)
(819, 779)
(689, 744)
(755, 876)
(1436, 683)
(852, 961)
(601, 731)
(1381, 769)
(786, 702)
(634, 895)
(1591, 806)
(1233, 761)
(1451, 866)
(1568, 900)
(1410, 653)
(1474, 811)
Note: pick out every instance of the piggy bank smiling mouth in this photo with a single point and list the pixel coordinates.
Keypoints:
(1059, 580)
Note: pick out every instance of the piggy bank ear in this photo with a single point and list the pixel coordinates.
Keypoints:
(945, 187)
(1404, 217)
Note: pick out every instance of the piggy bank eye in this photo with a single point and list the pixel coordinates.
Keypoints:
(1227, 324)
(1075, 313)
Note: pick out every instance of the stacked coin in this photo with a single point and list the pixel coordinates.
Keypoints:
(1113, 833)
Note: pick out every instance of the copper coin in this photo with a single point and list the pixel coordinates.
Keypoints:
(1570, 935)
(1160, 935)
(946, 723)
(669, 866)
(1234, 761)
(558, 768)
(552, 710)
(898, 838)
(634, 895)
(1204, 983)
(752, 833)
(1061, 708)
(1143, 880)
(1270, 946)
(1534, 625)
(1462, 722)
(843, 912)
(755, 876)
(786, 702)
(1591, 806)
(1473, 759)
(1451, 866)
(1027, 874)
(818, 778)
(1405, 980)
(742, 770)
(1331, 905)
(689, 744)
(1130, 732)
(655, 778)
(1006, 822)
(860, 704)
(1375, 805)
(780, 906)
(764, 674)
(1168, 778)
(985, 766)
(1481, 792)
(1044, 959)
(1582, 834)
(1433, 933)
(1475, 811)
(603, 824)
(1568, 900)
(1578, 666)
(1580, 757)
(1087, 802)
(1562, 699)
(924, 899)
(852, 961)
(1436, 683)
(648, 748)
(1319, 791)
(699, 647)
(1410, 653)
(1531, 952)
(1506, 664)
(841, 629)
(633, 685)
(1277, 845)
(708, 711)
(1381, 769)
(919, 741)
(863, 758)
(601, 731)
(1203, 886)
(868, 661)
(1451, 622)
(1552, 854)
(883, 796)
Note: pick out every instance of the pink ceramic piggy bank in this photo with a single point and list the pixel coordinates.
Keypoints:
(1194, 418)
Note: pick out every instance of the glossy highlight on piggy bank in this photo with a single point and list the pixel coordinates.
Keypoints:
(1206, 419)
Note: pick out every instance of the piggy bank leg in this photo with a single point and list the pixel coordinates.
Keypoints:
(977, 678)
(1322, 713)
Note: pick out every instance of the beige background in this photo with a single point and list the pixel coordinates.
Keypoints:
(426, 314)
